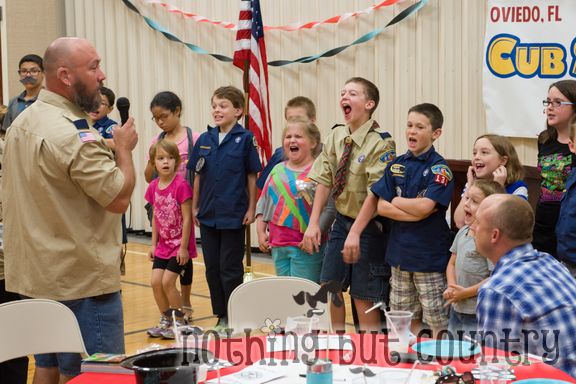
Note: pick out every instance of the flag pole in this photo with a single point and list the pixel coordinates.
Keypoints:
(248, 276)
(250, 57)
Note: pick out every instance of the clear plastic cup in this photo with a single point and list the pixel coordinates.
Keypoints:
(398, 324)
(393, 376)
(304, 339)
(494, 371)
(301, 325)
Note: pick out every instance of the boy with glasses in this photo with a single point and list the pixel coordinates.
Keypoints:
(31, 72)
(102, 123)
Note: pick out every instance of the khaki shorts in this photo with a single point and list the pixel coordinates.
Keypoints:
(421, 294)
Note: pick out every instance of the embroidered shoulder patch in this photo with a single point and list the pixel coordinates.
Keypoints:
(441, 169)
(86, 136)
(384, 135)
(81, 124)
(442, 174)
(388, 156)
(397, 169)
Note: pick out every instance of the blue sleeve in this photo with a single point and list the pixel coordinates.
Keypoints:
(440, 184)
(108, 131)
(384, 188)
(518, 188)
(252, 159)
(276, 158)
(8, 116)
(193, 158)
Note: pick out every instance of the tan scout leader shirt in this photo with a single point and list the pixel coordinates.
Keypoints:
(59, 241)
(368, 159)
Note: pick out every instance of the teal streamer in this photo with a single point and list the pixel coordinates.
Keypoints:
(369, 36)
(280, 63)
(157, 27)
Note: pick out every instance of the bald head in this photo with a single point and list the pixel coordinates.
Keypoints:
(503, 222)
(64, 52)
(510, 214)
(73, 71)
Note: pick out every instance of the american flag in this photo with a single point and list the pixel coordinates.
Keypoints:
(250, 48)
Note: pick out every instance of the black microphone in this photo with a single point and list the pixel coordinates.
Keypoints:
(123, 105)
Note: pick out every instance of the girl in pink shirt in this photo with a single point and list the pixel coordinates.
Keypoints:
(166, 109)
(172, 234)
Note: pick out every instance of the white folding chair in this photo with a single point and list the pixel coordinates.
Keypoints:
(253, 302)
(38, 326)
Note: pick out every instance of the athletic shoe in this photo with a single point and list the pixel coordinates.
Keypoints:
(168, 333)
(165, 323)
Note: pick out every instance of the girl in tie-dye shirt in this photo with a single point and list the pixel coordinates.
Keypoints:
(287, 198)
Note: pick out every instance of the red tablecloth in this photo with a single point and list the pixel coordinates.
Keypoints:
(368, 349)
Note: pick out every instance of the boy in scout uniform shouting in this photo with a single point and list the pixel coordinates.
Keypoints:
(415, 192)
(353, 158)
(63, 192)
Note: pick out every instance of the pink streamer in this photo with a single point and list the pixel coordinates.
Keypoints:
(291, 27)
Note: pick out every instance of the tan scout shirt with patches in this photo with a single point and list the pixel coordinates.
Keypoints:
(368, 159)
(59, 241)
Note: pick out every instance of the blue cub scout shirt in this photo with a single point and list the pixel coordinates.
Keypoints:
(223, 170)
(422, 246)
(566, 225)
(104, 127)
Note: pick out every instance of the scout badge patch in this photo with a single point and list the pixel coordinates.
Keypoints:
(397, 170)
(388, 156)
(85, 135)
(442, 174)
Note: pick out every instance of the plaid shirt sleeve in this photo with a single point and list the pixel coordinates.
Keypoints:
(499, 322)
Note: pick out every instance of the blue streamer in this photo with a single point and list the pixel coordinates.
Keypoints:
(279, 63)
(157, 27)
(369, 36)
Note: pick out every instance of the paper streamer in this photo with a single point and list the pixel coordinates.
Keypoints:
(369, 36)
(170, 36)
(291, 27)
(280, 63)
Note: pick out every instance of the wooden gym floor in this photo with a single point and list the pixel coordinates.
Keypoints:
(140, 311)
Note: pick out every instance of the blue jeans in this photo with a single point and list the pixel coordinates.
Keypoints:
(102, 327)
(292, 261)
(369, 278)
(462, 322)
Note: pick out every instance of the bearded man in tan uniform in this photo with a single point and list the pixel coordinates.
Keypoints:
(63, 193)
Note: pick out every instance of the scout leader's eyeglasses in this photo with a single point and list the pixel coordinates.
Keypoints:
(465, 378)
(555, 103)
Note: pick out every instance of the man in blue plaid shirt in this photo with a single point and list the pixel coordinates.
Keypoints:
(529, 303)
